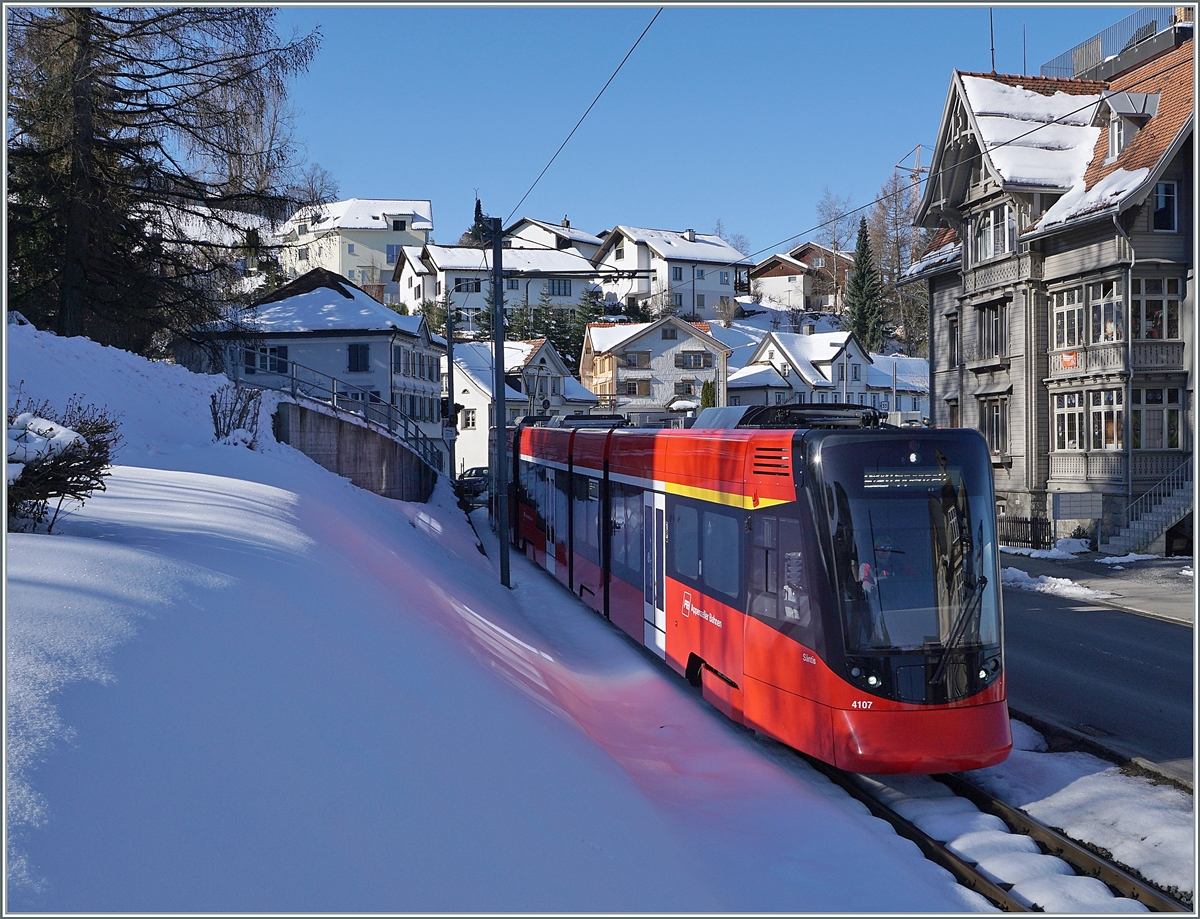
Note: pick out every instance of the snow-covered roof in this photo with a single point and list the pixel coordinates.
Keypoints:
(1081, 200)
(756, 376)
(671, 244)
(465, 258)
(213, 226)
(413, 255)
(1112, 185)
(944, 249)
(785, 258)
(325, 304)
(805, 351)
(474, 358)
(1032, 138)
(571, 233)
(364, 214)
(606, 336)
(912, 373)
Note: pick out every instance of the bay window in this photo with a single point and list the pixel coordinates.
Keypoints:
(995, 232)
(1067, 309)
(1108, 311)
(1154, 308)
(1069, 430)
(1108, 419)
(1154, 418)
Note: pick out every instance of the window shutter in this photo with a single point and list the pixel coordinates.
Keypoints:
(643, 387)
(708, 359)
(679, 359)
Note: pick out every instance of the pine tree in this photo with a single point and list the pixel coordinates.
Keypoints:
(708, 395)
(434, 312)
(128, 126)
(590, 309)
(864, 303)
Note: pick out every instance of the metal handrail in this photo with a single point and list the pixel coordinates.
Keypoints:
(323, 387)
(1144, 506)
(1144, 24)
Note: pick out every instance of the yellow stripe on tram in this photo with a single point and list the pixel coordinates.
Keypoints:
(746, 502)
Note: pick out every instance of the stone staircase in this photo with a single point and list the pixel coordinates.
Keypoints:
(1151, 515)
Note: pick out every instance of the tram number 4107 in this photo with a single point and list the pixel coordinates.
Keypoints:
(862, 703)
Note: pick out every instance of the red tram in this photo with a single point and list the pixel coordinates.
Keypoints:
(824, 579)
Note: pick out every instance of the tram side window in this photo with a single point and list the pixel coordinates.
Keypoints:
(685, 541)
(561, 501)
(627, 532)
(587, 517)
(539, 494)
(721, 561)
(777, 584)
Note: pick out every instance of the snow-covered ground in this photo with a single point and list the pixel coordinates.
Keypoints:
(1059, 587)
(235, 682)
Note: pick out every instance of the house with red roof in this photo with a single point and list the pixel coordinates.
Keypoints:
(1061, 278)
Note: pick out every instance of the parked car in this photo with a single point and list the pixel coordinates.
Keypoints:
(473, 484)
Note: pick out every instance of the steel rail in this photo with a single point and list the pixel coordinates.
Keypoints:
(967, 874)
(1082, 859)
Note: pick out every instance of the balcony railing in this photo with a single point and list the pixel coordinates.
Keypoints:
(1158, 355)
(1022, 267)
(1109, 358)
(1101, 466)
(305, 382)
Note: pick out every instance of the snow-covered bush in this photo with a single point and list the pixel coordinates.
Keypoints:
(235, 414)
(53, 455)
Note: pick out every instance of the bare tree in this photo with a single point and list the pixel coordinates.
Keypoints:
(892, 240)
(739, 241)
(836, 230)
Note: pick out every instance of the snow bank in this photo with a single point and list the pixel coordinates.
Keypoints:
(1064, 549)
(1122, 559)
(1060, 587)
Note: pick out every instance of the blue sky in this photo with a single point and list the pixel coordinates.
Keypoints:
(740, 113)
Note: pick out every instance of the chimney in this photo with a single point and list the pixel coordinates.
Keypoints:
(689, 235)
(566, 223)
(808, 328)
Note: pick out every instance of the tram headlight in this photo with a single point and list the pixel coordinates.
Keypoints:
(856, 672)
(872, 680)
(983, 674)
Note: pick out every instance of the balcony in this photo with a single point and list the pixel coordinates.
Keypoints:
(1106, 467)
(1107, 358)
(1158, 355)
(1000, 272)
(1153, 465)
(977, 359)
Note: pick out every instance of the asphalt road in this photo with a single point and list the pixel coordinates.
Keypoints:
(1123, 679)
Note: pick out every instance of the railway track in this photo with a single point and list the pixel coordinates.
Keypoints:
(1084, 861)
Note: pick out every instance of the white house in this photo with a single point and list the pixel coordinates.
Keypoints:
(827, 367)
(646, 369)
(530, 233)
(359, 238)
(537, 382)
(326, 336)
(466, 275)
(784, 279)
(696, 274)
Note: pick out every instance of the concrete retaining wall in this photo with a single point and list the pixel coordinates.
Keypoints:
(367, 458)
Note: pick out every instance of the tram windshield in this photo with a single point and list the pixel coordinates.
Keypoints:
(913, 537)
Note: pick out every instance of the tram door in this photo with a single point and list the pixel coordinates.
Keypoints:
(547, 503)
(654, 573)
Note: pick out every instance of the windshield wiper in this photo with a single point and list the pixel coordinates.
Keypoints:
(960, 626)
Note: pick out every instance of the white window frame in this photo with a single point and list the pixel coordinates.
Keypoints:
(1169, 300)
(1069, 432)
(1068, 318)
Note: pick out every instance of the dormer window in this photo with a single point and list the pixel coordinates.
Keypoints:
(302, 229)
(1125, 112)
(399, 225)
(1118, 133)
